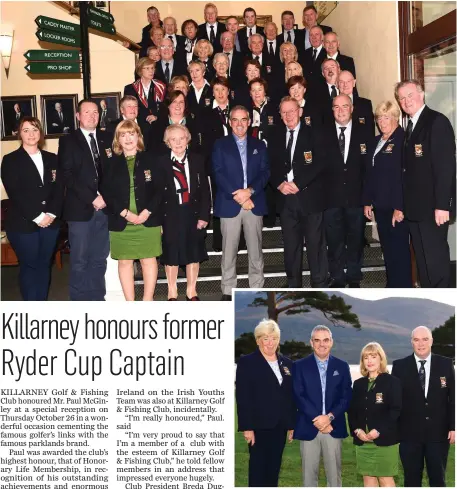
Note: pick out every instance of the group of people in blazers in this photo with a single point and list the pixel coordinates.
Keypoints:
(270, 127)
(409, 412)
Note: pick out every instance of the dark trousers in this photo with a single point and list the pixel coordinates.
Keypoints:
(413, 454)
(432, 252)
(89, 249)
(265, 457)
(297, 225)
(34, 252)
(344, 229)
(395, 248)
(270, 219)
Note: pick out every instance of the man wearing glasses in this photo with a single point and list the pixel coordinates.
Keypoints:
(322, 387)
(169, 66)
(297, 164)
(240, 169)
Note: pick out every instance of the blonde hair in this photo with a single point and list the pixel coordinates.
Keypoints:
(285, 45)
(198, 63)
(142, 62)
(373, 348)
(267, 327)
(174, 127)
(202, 42)
(287, 66)
(388, 108)
(123, 127)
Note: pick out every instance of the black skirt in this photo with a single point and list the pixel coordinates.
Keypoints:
(187, 246)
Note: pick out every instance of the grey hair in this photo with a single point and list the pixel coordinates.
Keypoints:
(257, 35)
(409, 81)
(425, 327)
(321, 327)
(239, 107)
(327, 60)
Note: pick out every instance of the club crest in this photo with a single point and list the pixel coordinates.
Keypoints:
(53, 175)
(308, 157)
(147, 175)
(308, 120)
(270, 120)
(232, 94)
(268, 69)
(389, 148)
(286, 371)
(363, 149)
(443, 382)
(207, 101)
(109, 153)
(361, 120)
(418, 150)
(379, 399)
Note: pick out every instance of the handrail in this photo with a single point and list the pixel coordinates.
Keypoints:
(133, 46)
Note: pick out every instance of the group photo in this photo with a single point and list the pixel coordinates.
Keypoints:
(247, 150)
(341, 390)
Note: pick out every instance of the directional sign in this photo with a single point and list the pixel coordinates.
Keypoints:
(53, 68)
(57, 55)
(58, 25)
(57, 38)
(100, 15)
(102, 26)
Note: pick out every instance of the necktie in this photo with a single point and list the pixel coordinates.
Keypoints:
(314, 54)
(102, 119)
(171, 38)
(409, 131)
(289, 37)
(289, 150)
(271, 48)
(96, 155)
(18, 116)
(61, 116)
(167, 72)
(212, 36)
(333, 94)
(422, 374)
(257, 58)
(342, 141)
(229, 61)
(223, 114)
(250, 31)
(180, 175)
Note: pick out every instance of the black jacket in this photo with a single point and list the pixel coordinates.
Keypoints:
(312, 69)
(243, 38)
(378, 409)
(308, 165)
(344, 181)
(79, 174)
(429, 167)
(202, 34)
(426, 419)
(28, 195)
(179, 68)
(116, 189)
(269, 121)
(299, 40)
(346, 63)
(383, 183)
(200, 197)
(262, 402)
(143, 111)
(206, 99)
(363, 113)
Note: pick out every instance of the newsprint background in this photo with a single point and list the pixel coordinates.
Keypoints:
(152, 409)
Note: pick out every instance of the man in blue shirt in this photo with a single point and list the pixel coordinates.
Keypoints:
(240, 170)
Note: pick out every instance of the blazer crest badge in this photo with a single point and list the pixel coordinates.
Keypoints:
(308, 155)
(147, 175)
(307, 120)
(53, 175)
(286, 371)
(109, 153)
(418, 150)
(361, 120)
(207, 102)
(270, 120)
(389, 148)
(268, 69)
(379, 398)
(363, 149)
(443, 382)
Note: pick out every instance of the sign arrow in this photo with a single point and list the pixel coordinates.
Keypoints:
(100, 15)
(55, 55)
(57, 25)
(53, 68)
(55, 37)
(101, 26)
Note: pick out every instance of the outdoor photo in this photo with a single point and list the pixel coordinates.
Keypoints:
(336, 390)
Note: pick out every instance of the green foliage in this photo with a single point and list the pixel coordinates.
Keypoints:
(444, 339)
(244, 345)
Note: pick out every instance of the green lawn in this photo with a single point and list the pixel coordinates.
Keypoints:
(291, 466)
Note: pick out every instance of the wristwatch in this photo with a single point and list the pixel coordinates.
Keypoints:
(251, 190)
(331, 417)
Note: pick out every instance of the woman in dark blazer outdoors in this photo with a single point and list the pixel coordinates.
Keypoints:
(265, 404)
(383, 195)
(133, 193)
(373, 415)
(186, 209)
(33, 183)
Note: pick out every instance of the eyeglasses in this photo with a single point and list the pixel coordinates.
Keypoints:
(166, 47)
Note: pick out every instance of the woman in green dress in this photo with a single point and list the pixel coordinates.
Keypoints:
(373, 415)
(133, 195)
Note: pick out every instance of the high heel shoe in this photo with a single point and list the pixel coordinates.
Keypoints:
(194, 298)
(172, 299)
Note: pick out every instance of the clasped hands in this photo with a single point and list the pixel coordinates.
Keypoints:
(288, 188)
(98, 203)
(133, 218)
(46, 221)
(367, 437)
(323, 424)
(243, 197)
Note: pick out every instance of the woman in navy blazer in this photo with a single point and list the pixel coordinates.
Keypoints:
(33, 184)
(265, 405)
(383, 195)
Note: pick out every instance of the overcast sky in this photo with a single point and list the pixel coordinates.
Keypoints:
(447, 296)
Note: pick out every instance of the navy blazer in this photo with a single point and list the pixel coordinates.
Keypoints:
(262, 402)
(383, 182)
(228, 173)
(308, 395)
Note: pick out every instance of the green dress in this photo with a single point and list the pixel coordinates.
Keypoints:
(135, 241)
(374, 460)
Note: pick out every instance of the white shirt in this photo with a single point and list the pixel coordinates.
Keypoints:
(267, 43)
(276, 370)
(426, 368)
(208, 29)
(290, 175)
(230, 58)
(198, 93)
(215, 105)
(173, 39)
(170, 66)
(292, 35)
(332, 57)
(416, 116)
(186, 169)
(248, 30)
(330, 89)
(318, 50)
(37, 158)
(87, 137)
(260, 57)
(347, 137)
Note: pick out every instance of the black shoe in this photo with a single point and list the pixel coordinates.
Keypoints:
(226, 297)
(194, 298)
(217, 249)
(335, 284)
(354, 285)
(172, 299)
